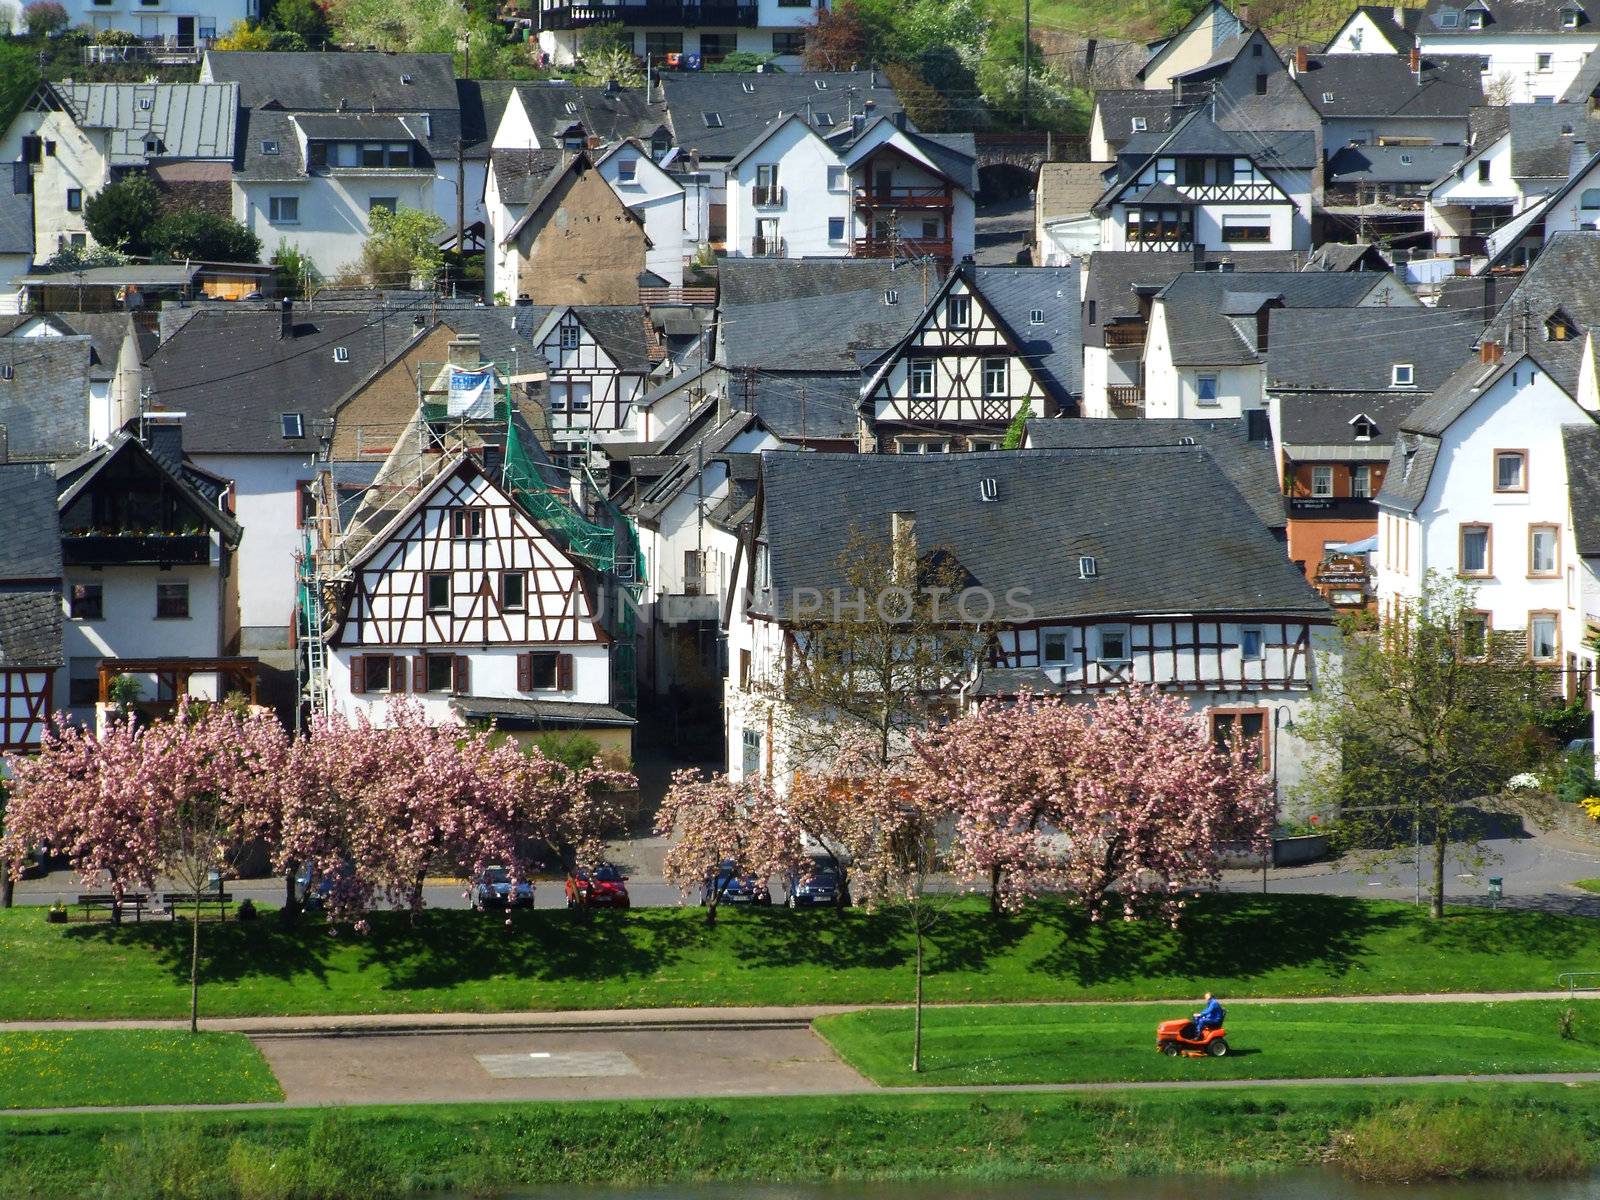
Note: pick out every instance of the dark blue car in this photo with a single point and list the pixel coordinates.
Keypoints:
(735, 886)
(819, 886)
(495, 891)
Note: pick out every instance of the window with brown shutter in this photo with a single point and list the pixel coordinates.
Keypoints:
(375, 668)
(563, 672)
(358, 674)
(397, 673)
(419, 673)
(461, 682)
(524, 672)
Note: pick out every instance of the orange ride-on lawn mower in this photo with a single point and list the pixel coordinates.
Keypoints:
(1178, 1037)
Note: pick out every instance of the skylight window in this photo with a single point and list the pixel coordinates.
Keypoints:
(1087, 567)
(1140, 124)
(571, 107)
(712, 120)
(1402, 375)
(825, 120)
(341, 354)
(1036, 317)
(891, 296)
(7, 372)
(146, 103)
(1327, 97)
(750, 88)
(821, 84)
(1405, 160)
(294, 425)
(269, 146)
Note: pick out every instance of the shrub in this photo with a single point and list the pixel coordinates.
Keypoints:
(121, 213)
(1461, 1140)
(204, 236)
(303, 17)
(115, 37)
(45, 17)
(243, 36)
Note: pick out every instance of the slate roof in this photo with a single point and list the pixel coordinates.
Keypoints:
(483, 103)
(31, 548)
(1504, 17)
(1248, 465)
(105, 331)
(537, 714)
(520, 175)
(1392, 164)
(1218, 560)
(1582, 444)
(192, 120)
(1210, 316)
(1118, 108)
(1542, 137)
(1382, 85)
(744, 114)
(1115, 274)
(1068, 189)
(1479, 295)
(1584, 84)
(73, 478)
(1055, 348)
(355, 81)
(1488, 124)
(1398, 25)
(1353, 349)
(1198, 135)
(806, 406)
(139, 274)
(610, 116)
(16, 222)
(1325, 418)
(45, 405)
(258, 128)
(1563, 277)
(619, 329)
(234, 376)
(814, 314)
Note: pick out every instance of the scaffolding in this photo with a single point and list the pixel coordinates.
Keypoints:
(606, 542)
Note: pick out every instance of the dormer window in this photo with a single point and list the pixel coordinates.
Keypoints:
(146, 103)
(1569, 18)
(571, 337)
(1449, 18)
(1475, 19)
(341, 354)
(1363, 428)
(1559, 327)
(294, 425)
(152, 145)
(1140, 125)
(1402, 375)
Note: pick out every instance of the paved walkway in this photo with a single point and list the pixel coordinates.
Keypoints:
(665, 1019)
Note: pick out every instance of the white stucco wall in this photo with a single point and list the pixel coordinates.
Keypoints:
(493, 675)
(265, 491)
(1514, 60)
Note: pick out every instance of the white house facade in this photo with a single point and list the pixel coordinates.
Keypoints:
(658, 198)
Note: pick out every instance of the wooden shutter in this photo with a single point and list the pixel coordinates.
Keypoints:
(358, 674)
(564, 672)
(524, 672)
(419, 673)
(460, 676)
(397, 674)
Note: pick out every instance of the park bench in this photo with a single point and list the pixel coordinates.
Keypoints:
(179, 902)
(93, 900)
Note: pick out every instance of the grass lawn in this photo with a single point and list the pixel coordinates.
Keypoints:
(131, 1066)
(1236, 945)
(477, 1149)
(1588, 885)
(1091, 1043)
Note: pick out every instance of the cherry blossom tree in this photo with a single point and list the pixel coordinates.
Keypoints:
(178, 800)
(374, 807)
(715, 820)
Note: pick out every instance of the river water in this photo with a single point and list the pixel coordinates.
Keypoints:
(1297, 1185)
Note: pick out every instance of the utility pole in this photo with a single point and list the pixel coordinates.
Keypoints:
(1027, 57)
(461, 201)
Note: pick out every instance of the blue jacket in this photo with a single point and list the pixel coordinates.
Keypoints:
(1211, 1014)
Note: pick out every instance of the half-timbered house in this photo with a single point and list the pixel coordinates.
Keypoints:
(991, 342)
(1072, 590)
(30, 604)
(599, 358)
(453, 593)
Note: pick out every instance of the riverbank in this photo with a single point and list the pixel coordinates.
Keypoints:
(458, 961)
(396, 1152)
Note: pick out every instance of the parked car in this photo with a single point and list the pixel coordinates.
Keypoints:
(602, 886)
(494, 890)
(735, 886)
(820, 885)
(311, 890)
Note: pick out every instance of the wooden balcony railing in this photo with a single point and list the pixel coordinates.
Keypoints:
(1125, 335)
(905, 247)
(1125, 397)
(555, 14)
(903, 197)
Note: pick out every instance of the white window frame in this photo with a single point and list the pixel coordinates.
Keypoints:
(1200, 396)
(1322, 483)
(1100, 635)
(278, 205)
(1045, 638)
(917, 370)
(1403, 375)
(1361, 481)
(1002, 366)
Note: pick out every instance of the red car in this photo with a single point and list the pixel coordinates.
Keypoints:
(601, 887)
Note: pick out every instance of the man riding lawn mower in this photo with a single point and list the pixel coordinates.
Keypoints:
(1197, 1037)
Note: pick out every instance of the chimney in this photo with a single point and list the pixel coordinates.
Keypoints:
(5, 445)
(1300, 58)
(694, 161)
(1577, 157)
(466, 350)
(1490, 351)
(418, 323)
(724, 406)
(164, 439)
(1244, 15)
(903, 545)
(858, 122)
(899, 119)
(286, 318)
(1416, 63)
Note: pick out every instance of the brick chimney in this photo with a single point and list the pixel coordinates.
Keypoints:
(1300, 57)
(1416, 63)
(1490, 351)
(286, 318)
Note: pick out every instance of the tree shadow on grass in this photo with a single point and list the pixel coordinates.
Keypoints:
(961, 940)
(1558, 937)
(1221, 936)
(230, 951)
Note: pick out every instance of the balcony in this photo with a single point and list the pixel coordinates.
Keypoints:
(903, 248)
(1122, 336)
(688, 608)
(155, 52)
(578, 16)
(904, 197)
(133, 549)
(767, 247)
(770, 196)
(1125, 399)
